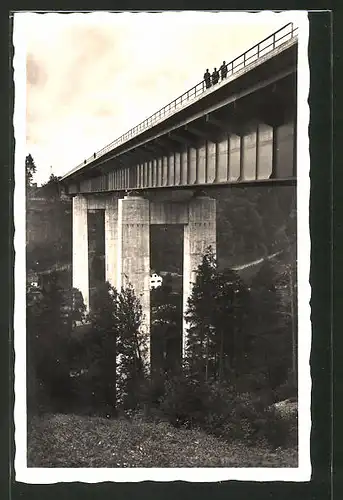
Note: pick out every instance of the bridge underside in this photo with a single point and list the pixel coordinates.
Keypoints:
(251, 138)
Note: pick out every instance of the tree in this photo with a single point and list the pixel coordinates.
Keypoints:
(132, 349)
(30, 169)
(73, 307)
(51, 189)
(217, 310)
(102, 346)
(117, 348)
(232, 305)
(49, 315)
(166, 325)
(199, 315)
(271, 326)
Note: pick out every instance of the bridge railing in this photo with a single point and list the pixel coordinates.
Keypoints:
(259, 50)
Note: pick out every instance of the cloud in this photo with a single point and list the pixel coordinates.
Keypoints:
(90, 77)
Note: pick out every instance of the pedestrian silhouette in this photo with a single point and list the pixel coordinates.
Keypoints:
(215, 76)
(223, 70)
(207, 78)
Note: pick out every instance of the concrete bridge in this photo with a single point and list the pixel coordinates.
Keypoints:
(240, 131)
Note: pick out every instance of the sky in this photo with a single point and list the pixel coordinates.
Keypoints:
(90, 77)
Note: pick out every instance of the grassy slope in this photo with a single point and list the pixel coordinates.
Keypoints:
(74, 441)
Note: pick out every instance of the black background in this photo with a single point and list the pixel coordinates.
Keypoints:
(326, 252)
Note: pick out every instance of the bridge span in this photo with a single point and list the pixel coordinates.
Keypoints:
(240, 131)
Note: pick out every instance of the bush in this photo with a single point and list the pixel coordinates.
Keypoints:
(184, 402)
(287, 390)
(222, 411)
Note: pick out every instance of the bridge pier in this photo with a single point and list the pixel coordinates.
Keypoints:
(80, 247)
(111, 240)
(199, 234)
(133, 256)
(127, 243)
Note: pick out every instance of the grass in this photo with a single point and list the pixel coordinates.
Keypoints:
(77, 441)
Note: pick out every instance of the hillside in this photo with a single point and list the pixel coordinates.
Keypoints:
(252, 224)
(74, 441)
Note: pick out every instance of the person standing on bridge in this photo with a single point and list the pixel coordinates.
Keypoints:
(223, 70)
(215, 76)
(207, 78)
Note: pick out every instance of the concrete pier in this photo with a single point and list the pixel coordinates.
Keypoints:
(80, 247)
(199, 234)
(111, 239)
(133, 255)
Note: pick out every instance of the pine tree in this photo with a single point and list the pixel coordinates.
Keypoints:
(103, 346)
(270, 326)
(165, 329)
(231, 311)
(217, 309)
(51, 189)
(30, 170)
(200, 345)
(132, 348)
(48, 332)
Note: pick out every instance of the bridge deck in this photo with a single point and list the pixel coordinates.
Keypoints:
(252, 58)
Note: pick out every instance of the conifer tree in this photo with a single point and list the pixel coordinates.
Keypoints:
(270, 326)
(216, 342)
(103, 345)
(48, 313)
(132, 349)
(200, 343)
(165, 328)
(30, 170)
(231, 310)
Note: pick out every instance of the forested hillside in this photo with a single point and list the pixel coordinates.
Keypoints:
(252, 223)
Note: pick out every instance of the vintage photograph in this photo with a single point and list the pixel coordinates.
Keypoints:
(162, 256)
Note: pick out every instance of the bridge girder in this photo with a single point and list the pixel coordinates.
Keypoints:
(202, 132)
(181, 138)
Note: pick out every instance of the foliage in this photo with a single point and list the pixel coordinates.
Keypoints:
(252, 223)
(51, 189)
(219, 409)
(216, 314)
(132, 349)
(270, 326)
(50, 314)
(73, 307)
(72, 441)
(112, 374)
(102, 347)
(48, 238)
(166, 326)
(200, 346)
(30, 170)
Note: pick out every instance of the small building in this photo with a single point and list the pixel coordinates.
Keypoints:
(155, 281)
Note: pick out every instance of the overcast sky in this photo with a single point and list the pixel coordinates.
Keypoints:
(91, 77)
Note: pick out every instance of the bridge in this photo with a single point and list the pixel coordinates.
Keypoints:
(240, 131)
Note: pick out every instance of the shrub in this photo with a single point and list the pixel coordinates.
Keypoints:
(222, 411)
(184, 401)
(287, 390)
